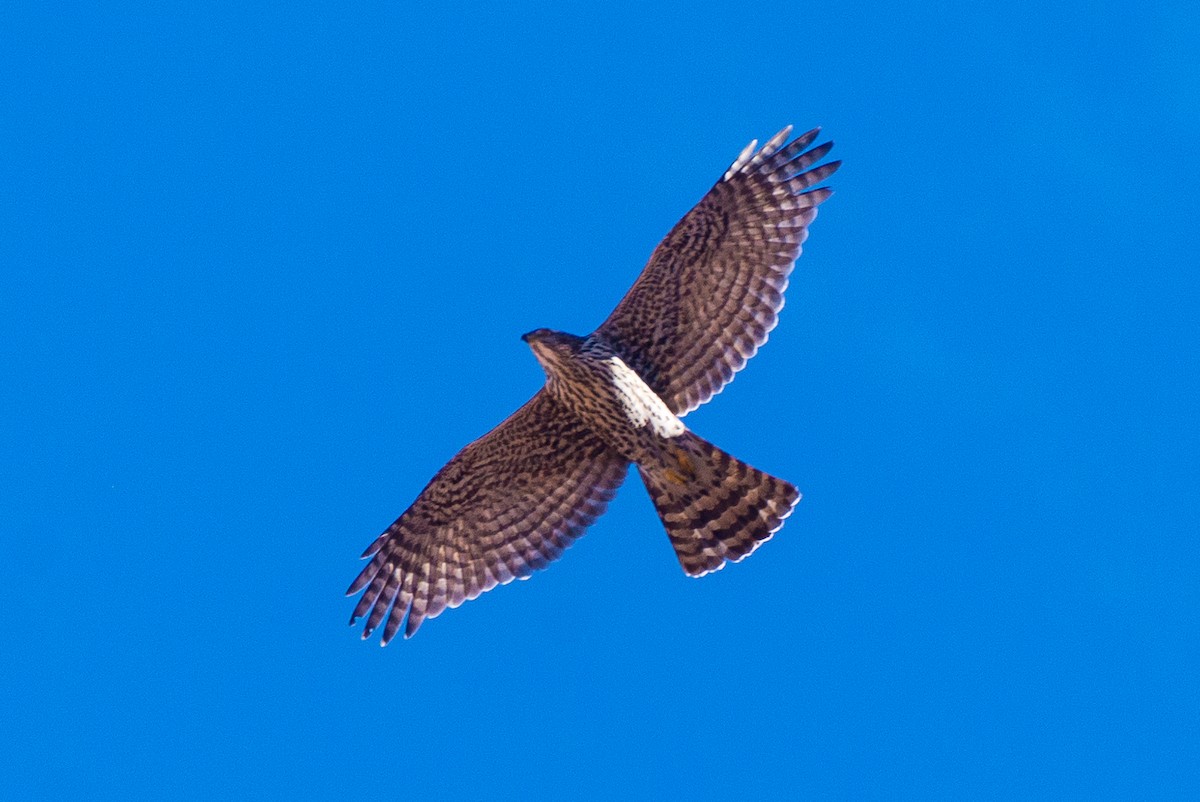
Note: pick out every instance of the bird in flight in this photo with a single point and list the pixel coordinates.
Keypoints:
(513, 500)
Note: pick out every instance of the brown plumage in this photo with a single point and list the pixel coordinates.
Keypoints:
(511, 501)
(715, 508)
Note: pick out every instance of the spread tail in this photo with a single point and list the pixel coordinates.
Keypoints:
(716, 508)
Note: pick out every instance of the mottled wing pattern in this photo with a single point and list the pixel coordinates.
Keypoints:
(505, 506)
(713, 288)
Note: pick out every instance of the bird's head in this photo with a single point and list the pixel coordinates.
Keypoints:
(551, 347)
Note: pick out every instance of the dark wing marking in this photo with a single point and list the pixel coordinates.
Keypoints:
(506, 505)
(713, 288)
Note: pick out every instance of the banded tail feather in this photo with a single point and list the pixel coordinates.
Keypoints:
(716, 508)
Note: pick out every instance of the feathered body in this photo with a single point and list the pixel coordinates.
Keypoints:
(513, 500)
(715, 508)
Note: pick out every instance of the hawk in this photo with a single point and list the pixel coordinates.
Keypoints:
(513, 500)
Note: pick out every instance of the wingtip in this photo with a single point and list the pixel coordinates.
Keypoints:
(772, 145)
(808, 136)
(742, 160)
(829, 168)
(816, 195)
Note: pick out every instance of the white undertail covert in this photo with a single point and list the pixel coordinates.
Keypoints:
(641, 404)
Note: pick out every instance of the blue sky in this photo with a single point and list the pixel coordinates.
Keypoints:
(265, 270)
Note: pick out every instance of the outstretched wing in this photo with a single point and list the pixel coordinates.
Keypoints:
(713, 288)
(503, 507)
